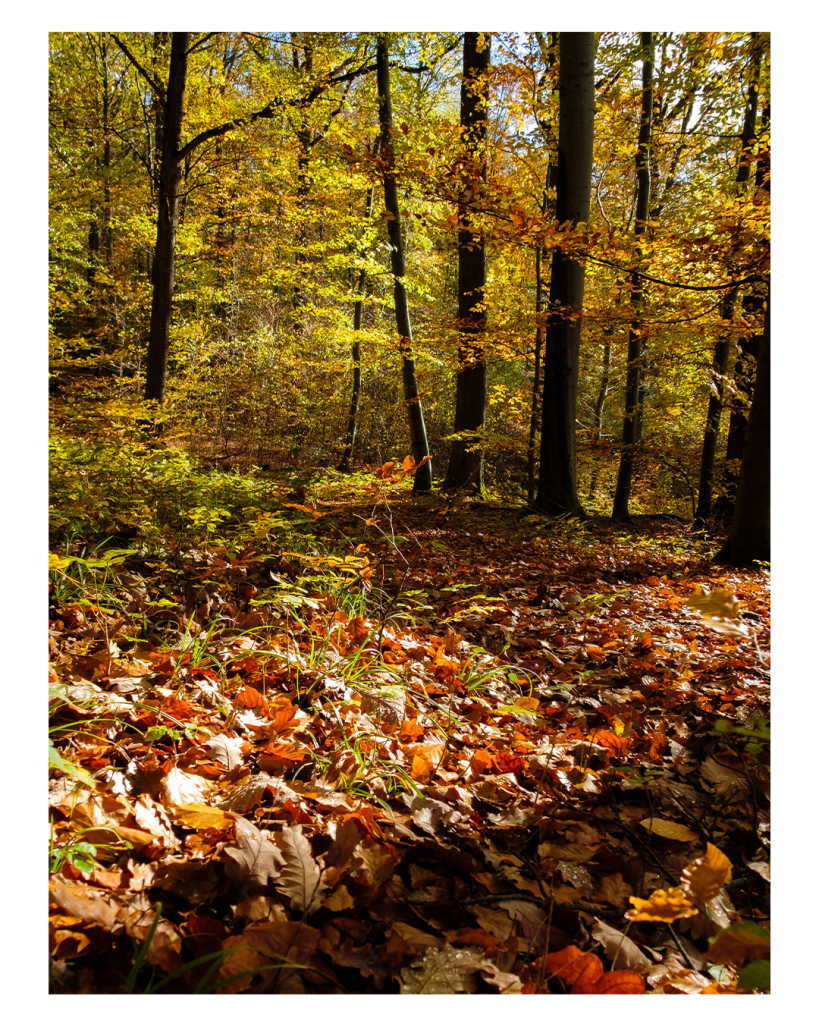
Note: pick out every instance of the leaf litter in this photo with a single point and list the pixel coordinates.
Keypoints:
(476, 753)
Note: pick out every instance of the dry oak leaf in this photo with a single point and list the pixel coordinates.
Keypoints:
(574, 967)
(662, 905)
(300, 877)
(703, 878)
(614, 890)
(253, 860)
(618, 947)
(669, 829)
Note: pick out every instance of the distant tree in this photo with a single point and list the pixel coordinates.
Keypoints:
(557, 480)
(355, 396)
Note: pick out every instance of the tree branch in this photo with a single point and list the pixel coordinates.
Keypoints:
(154, 83)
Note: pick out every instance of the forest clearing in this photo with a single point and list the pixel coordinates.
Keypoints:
(409, 513)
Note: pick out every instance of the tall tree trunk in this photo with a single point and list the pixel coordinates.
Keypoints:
(355, 397)
(170, 177)
(422, 480)
(722, 348)
(749, 539)
(530, 451)
(633, 419)
(465, 468)
(557, 478)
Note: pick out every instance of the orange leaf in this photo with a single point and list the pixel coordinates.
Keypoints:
(703, 878)
(247, 697)
(481, 761)
(282, 714)
(282, 755)
(622, 983)
(573, 966)
(410, 731)
(662, 905)
(420, 767)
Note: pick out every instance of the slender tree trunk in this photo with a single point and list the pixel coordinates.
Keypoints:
(633, 420)
(599, 406)
(170, 177)
(422, 480)
(749, 539)
(557, 478)
(466, 459)
(355, 397)
(722, 351)
(530, 451)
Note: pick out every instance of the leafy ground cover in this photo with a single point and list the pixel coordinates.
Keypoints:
(327, 738)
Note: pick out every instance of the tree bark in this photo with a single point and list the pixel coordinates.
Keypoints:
(170, 177)
(419, 445)
(355, 397)
(465, 468)
(722, 351)
(632, 422)
(749, 539)
(557, 478)
(736, 429)
(530, 451)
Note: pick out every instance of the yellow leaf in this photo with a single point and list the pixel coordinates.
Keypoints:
(199, 816)
(662, 905)
(669, 829)
(704, 877)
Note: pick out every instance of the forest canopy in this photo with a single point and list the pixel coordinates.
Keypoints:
(223, 243)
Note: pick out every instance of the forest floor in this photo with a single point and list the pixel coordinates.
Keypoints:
(411, 747)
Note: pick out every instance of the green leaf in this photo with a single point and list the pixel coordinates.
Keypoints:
(756, 975)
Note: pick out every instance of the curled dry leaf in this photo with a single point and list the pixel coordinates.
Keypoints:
(704, 877)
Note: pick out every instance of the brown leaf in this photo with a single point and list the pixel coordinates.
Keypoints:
(618, 947)
(253, 860)
(442, 972)
(740, 944)
(300, 877)
(615, 891)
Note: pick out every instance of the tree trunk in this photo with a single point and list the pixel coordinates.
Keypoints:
(170, 177)
(749, 539)
(530, 452)
(422, 480)
(355, 397)
(747, 346)
(633, 420)
(557, 478)
(722, 350)
(599, 406)
(466, 459)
